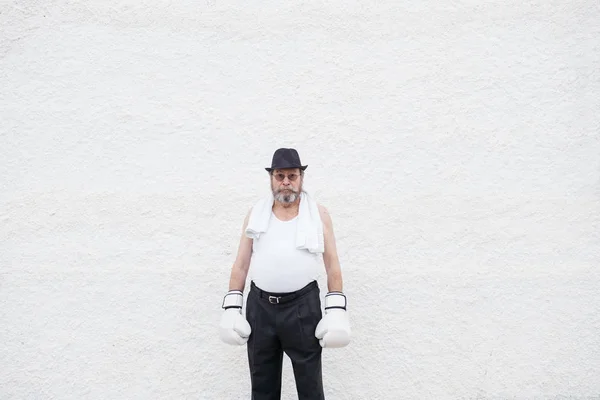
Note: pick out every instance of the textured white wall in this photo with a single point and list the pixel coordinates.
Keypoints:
(456, 145)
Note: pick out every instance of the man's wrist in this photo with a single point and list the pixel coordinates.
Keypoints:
(233, 299)
(335, 300)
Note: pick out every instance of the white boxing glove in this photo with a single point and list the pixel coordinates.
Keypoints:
(234, 329)
(334, 328)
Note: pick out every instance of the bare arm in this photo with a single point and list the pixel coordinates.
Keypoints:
(239, 270)
(330, 256)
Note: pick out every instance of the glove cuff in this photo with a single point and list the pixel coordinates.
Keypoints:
(233, 299)
(335, 300)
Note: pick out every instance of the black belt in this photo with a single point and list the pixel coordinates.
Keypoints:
(279, 298)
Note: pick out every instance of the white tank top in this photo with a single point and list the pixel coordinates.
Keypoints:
(276, 264)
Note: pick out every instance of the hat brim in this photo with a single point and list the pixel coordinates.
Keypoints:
(302, 167)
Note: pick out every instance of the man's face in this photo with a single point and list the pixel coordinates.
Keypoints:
(286, 184)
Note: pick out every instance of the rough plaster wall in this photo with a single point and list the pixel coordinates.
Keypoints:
(455, 143)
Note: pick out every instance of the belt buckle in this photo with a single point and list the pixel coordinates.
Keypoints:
(271, 298)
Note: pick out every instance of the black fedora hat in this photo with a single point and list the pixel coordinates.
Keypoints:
(286, 158)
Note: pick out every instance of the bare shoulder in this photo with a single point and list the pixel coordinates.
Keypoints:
(245, 241)
(330, 253)
(325, 216)
(244, 252)
(247, 217)
(245, 225)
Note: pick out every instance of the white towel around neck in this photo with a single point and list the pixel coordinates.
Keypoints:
(309, 234)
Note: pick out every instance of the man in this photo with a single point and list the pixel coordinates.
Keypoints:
(284, 239)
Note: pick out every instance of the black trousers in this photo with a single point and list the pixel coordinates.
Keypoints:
(284, 322)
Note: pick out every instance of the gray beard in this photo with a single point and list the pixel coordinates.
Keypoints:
(285, 197)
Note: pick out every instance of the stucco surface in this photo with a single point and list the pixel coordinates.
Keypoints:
(456, 145)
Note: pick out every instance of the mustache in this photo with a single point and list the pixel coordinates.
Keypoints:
(290, 189)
